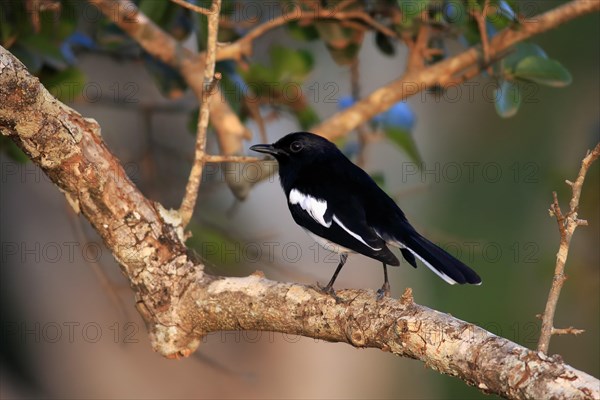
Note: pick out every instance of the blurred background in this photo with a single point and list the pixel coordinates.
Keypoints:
(476, 183)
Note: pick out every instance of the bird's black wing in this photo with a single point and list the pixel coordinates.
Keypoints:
(340, 222)
(386, 219)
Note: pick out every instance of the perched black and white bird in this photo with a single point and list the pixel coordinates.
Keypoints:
(344, 210)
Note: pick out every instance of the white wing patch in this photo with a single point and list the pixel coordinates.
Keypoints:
(314, 207)
(354, 235)
(317, 208)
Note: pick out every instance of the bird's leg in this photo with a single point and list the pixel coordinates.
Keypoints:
(329, 288)
(385, 289)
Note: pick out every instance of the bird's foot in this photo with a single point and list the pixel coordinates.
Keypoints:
(329, 290)
(384, 291)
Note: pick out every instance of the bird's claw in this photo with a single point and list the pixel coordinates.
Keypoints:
(383, 292)
(329, 290)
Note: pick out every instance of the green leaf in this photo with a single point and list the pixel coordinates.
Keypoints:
(404, 140)
(290, 65)
(543, 71)
(508, 99)
(519, 52)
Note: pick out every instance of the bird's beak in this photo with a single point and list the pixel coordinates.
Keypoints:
(265, 148)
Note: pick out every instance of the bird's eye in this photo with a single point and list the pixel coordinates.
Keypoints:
(296, 146)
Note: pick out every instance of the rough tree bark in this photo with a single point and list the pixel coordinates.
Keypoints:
(180, 302)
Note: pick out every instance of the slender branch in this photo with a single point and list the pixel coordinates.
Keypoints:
(195, 8)
(416, 58)
(243, 46)
(186, 210)
(566, 226)
(481, 25)
(181, 303)
(413, 82)
(567, 331)
(231, 159)
(229, 129)
(193, 185)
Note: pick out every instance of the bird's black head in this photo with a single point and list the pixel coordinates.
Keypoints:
(299, 148)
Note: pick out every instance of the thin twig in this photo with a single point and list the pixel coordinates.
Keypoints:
(567, 331)
(237, 159)
(567, 223)
(481, 25)
(210, 78)
(416, 58)
(242, 47)
(367, 19)
(195, 8)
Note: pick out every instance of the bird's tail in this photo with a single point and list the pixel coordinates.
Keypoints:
(443, 264)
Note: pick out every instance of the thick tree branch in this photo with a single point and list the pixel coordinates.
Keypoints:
(566, 226)
(180, 303)
(417, 80)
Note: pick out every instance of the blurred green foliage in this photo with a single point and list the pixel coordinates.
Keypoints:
(46, 41)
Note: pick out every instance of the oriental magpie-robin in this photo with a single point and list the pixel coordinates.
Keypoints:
(344, 210)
